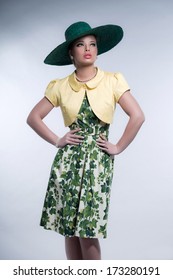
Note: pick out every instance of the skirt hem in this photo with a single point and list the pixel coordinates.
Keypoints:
(74, 235)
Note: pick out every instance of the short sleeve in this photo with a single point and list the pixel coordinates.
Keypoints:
(120, 86)
(52, 93)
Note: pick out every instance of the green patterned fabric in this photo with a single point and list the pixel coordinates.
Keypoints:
(78, 193)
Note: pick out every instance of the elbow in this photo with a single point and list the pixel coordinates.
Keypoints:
(140, 118)
(30, 120)
(27, 120)
(33, 120)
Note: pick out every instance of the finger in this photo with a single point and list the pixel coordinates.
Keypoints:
(77, 136)
(100, 140)
(71, 141)
(103, 137)
(74, 142)
(72, 133)
(106, 149)
(102, 144)
(74, 130)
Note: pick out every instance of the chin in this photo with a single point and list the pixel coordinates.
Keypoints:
(88, 63)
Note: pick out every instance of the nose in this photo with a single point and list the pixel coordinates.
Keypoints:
(87, 48)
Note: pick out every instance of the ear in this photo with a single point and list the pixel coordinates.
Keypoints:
(71, 56)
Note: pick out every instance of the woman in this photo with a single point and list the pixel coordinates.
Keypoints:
(77, 199)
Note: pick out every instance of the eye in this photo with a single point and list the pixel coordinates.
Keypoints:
(93, 44)
(79, 44)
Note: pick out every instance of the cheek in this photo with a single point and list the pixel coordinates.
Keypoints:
(73, 52)
(77, 53)
(95, 51)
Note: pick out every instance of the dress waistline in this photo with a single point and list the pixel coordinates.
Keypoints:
(91, 132)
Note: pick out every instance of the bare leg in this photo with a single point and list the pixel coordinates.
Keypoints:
(90, 248)
(73, 248)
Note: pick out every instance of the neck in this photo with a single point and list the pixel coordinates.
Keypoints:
(85, 74)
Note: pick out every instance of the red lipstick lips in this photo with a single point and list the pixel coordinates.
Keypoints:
(87, 55)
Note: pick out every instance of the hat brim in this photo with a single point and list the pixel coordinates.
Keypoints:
(108, 36)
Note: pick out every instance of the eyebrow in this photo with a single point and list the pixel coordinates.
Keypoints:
(80, 41)
(83, 41)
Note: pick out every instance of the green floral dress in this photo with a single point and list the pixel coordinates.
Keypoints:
(78, 193)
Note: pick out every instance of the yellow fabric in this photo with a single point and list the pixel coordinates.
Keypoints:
(103, 93)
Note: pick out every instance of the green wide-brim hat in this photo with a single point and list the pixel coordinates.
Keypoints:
(107, 36)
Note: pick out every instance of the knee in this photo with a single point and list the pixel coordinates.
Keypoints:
(87, 242)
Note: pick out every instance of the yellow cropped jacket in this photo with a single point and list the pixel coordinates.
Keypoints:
(103, 92)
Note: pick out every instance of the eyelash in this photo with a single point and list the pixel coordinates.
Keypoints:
(81, 44)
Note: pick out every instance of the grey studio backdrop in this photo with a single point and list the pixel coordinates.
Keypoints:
(140, 216)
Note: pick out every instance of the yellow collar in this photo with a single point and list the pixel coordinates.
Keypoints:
(76, 86)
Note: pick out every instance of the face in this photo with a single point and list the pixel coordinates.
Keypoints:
(84, 51)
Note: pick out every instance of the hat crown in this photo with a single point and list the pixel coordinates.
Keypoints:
(76, 30)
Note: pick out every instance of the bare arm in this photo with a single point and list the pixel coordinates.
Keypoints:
(35, 121)
(136, 119)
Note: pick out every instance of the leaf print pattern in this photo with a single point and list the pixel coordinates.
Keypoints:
(78, 193)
